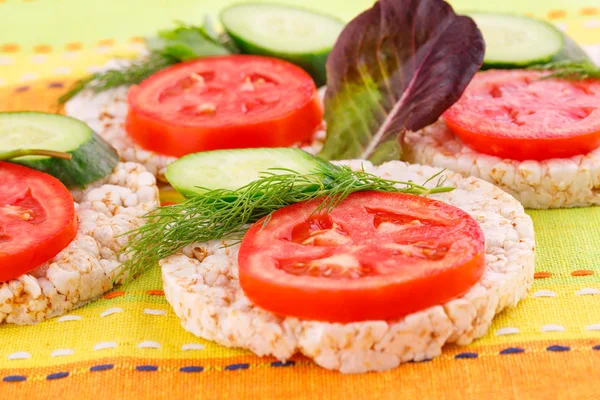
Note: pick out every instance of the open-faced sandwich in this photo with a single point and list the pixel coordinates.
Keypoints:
(361, 264)
(386, 276)
(64, 211)
(215, 98)
(533, 132)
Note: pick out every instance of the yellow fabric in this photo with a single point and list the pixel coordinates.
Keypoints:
(136, 351)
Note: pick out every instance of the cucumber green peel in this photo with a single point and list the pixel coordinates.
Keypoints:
(9, 155)
(224, 213)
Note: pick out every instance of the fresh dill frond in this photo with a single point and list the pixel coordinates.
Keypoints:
(225, 214)
(131, 74)
(567, 69)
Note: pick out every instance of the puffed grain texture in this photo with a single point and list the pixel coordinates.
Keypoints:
(201, 284)
(87, 267)
(554, 183)
(106, 112)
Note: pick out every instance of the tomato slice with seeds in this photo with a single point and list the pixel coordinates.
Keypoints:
(224, 102)
(516, 115)
(37, 219)
(376, 256)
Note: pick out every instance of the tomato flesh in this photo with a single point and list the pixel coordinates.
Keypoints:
(37, 219)
(516, 115)
(224, 102)
(377, 256)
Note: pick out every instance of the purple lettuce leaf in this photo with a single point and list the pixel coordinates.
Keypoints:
(397, 66)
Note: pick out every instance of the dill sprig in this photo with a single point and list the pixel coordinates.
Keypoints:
(225, 214)
(131, 74)
(567, 69)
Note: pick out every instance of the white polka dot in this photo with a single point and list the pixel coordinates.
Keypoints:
(93, 69)
(62, 70)
(19, 355)
(192, 346)
(66, 318)
(593, 51)
(29, 76)
(592, 23)
(105, 345)
(587, 291)
(593, 327)
(553, 328)
(149, 344)
(152, 311)
(562, 27)
(544, 293)
(69, 55)
(103, 49)
(39, 59)
(6, 60)
(507, 331)
(111, 311)
(136, 47)
(62, 353)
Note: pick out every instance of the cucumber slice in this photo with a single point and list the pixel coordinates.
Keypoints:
(299, 36)
(513, 41)
(232, 169)
(92, 158)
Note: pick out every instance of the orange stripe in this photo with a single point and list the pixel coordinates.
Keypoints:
(112, 295)
(531, 375)
(73, 46)
(582, 272)
(42, 48)
(10, 48)
(588, 11)
(556, 14)
(106, 42)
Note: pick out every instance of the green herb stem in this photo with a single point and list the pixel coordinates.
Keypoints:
(224, 214)
(567, 69)
(132, 74)
(33, 152)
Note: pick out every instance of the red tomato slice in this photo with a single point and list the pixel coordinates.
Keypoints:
(223, 103)
(37, 219)
(377, 256)
(516, 115)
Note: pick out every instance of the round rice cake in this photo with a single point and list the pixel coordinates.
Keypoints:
(553, 183)
(106, 112)
(201, 284)
(87, 267)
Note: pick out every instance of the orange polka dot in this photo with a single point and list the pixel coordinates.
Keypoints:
(74, 46)
(106, 42)
(42, 48)
(582, 272)
(10, 48)
(589, 11)
(112, 295)
(155, 292)
(137, 39)
(542, 275)
(555, 14)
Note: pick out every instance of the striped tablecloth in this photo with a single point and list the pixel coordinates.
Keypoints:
(129, 344)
